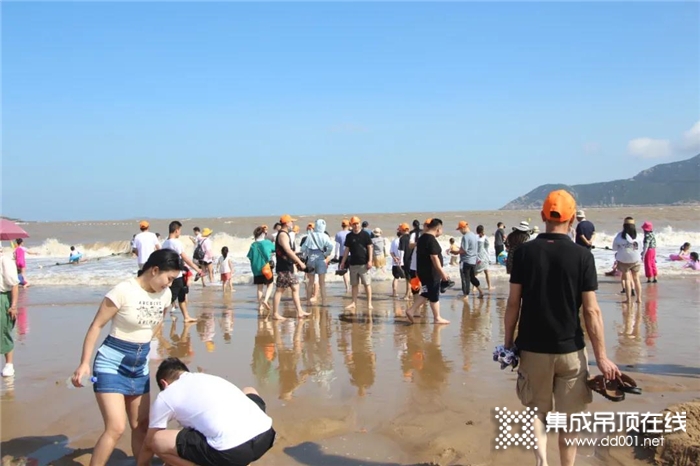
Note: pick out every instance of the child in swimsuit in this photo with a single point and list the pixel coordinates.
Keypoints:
(693, 263)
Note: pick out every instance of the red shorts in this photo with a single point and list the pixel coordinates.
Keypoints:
(225, 277)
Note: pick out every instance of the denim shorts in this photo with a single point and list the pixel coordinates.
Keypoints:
(318, 261)
(122, 367)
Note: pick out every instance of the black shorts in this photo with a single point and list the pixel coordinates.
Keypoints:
(179, 290)
(397, 272)
(430, 291)
(192, 446)
(261, 280)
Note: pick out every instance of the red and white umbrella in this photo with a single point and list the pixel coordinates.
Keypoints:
(9, 230)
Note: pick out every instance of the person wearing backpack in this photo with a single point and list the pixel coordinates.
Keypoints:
(204, 255)
(260, 257)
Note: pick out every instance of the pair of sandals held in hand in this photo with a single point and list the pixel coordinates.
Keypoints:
(614, 390)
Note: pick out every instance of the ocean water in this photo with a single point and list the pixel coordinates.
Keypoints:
(106, 244)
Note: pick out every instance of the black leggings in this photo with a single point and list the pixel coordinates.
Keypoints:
(499, 250)
(468, 275)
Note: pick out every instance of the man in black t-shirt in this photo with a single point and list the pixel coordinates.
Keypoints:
(585, 230)
(358, 245)
(499, 239)
(429, 270)
(405, 246)
(551, 279)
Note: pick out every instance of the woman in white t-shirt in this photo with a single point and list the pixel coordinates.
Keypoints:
(120, 370)
(628, 254)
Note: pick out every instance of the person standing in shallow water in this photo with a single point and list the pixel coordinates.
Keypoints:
(358, 255)
(9, 294)
(628, 253)
(133, 308)
(286, 275)
(649, 252)
(430, 272)
(179, 288)
(499, 239)
(483, 262)
(260, 254)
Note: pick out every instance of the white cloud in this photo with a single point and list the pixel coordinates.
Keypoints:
(691, 138)
(648, 148)
(591, 148)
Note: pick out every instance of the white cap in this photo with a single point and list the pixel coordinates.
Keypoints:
(580, 214)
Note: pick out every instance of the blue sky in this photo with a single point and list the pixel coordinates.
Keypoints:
(129, 110)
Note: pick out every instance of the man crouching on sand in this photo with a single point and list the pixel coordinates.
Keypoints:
(222, 424)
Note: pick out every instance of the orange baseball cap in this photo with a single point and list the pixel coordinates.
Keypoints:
(404, 227)
(355, 221)
(562, 204)
(345, 222)
(286, 218)
(309, 226)
(462, 224)
(427, 221)
(144, 224)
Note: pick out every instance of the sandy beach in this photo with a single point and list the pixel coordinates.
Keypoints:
(355, 391)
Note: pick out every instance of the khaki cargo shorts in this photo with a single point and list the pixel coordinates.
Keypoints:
(554, 382)
(359, 273)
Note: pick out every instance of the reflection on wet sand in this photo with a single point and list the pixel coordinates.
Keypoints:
(423, 362)
(341, 381)
(475, 330)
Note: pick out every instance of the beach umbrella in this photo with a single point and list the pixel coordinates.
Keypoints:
(9, 230)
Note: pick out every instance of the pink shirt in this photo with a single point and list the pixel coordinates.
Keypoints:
(20, 258)
(208, 249)
(693, 265)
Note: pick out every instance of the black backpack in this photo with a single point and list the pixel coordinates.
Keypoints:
(198, 254)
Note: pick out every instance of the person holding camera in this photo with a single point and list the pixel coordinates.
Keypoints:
(358, 247)
(317, 249)
(286, 274)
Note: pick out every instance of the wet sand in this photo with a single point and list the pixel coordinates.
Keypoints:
(342, 391)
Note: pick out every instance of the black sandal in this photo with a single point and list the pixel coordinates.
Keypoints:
(628, 385)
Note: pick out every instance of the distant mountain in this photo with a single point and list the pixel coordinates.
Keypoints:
(676, 183)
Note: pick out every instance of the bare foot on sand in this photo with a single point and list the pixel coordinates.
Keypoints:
(441, 321)
(266, 305)
(278, 317)
(409, 316)
(350, 307)
(190, 319)
(303, 314)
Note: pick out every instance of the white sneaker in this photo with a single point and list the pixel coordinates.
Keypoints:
(8, 370)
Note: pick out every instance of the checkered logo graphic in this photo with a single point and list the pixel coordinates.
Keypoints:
(516, 428)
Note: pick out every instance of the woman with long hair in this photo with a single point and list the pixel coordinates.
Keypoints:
(628, 254)
(122, 385)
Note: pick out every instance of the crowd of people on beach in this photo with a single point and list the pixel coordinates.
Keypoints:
(226, 425)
